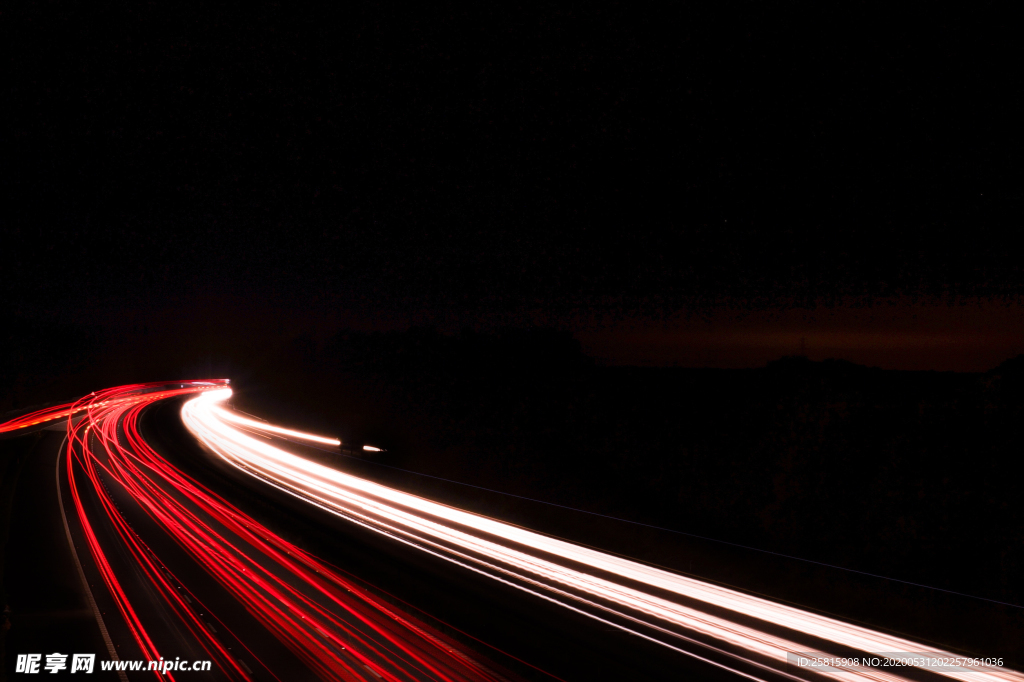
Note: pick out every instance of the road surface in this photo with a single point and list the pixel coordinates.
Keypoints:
(259, 553)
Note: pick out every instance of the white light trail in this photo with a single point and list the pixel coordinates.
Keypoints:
(671, 609)
(263, 426)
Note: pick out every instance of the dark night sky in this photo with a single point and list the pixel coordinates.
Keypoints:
(701, 184)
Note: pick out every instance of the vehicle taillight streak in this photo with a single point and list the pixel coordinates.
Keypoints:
(333, 624)
(336, 627)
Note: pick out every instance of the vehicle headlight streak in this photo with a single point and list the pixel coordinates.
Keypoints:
(335, 626)
(270, 428)
(659, 605)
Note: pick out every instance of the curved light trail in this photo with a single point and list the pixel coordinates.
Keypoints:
(335, 626)
(748, 635)
(40, 417)
(343, 631)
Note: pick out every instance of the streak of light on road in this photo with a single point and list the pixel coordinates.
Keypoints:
(270, 428)
(747, 634)
(337, 627)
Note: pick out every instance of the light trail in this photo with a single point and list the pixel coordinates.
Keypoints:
(270, 428)
(728, 627)
(336, 627)
(93, 401)
(40, 417)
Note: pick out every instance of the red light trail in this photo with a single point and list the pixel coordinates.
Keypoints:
(339, 629)
(40, 417)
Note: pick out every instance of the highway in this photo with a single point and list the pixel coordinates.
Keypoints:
(180, 566)
(323, 622)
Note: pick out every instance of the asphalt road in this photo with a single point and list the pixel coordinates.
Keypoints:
(567, 645)
(49, 607)
(275, 567)
(507, 635)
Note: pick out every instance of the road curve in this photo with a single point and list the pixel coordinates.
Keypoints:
(186, 572)
(139, 517)
(748, 635)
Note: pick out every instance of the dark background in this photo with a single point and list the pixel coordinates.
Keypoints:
(585, 168)
(554, 252)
